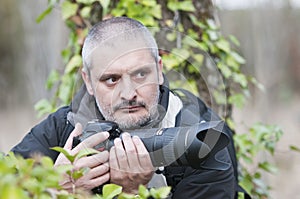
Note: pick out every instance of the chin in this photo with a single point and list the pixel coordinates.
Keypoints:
(132, 120)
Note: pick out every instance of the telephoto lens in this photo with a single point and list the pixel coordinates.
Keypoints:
(176, 146)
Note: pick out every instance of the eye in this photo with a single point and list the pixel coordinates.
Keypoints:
(110, 80)
(141, 74)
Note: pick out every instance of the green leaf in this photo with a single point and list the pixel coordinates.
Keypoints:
(128, 196)
(257, 84)
(66, 87)
(247, 184)
(163, 192)
(187, 6)
(144, 192)
(237, 99)
(268, 167)
(234, 40)
(223, 45)
(68, 9)
(171, 36)
(241, 79)
(64, 168)
(12, 192)
(213, 35)
(111, 190)
(79, 173)
(203, 46)
(219, 97)
(196, 22)
(43, 106)
(238, 57)
(44, 14)
(85, 11)
(230, 123)
(86, 152)
(154, 193)
(105, 4)
(199, 58)
(86, 1)
(232, 63)
(190, 42)
(181, 53)
(70, 157)
(148, 3)
(52, 79)
(147, 20)
(47, 162)
(156, 12)
(211, 24)
(170, 61)
(74, 63)
(294, 148)
(224, 69)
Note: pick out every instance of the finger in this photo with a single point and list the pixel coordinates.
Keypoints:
(131, 151)
(92, 161)
(77, 131)
(143, 154)
(121, 155)
(98, 171)
(113, 162)
(100, 180)
(88, 184)
(92, 141)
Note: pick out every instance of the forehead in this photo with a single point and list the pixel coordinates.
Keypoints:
(120, 58)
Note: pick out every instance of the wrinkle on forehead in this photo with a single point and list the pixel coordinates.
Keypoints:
(110, 50)
(107, 58)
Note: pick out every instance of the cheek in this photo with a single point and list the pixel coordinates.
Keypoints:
(103, 96)
(149, 93)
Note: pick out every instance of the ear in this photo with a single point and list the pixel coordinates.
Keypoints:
(160, 73)
(87, 80)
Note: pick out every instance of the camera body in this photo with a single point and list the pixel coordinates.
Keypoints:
(94, 127)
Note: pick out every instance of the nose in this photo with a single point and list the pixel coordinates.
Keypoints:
(127, 89)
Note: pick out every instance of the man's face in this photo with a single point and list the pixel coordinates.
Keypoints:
(126, 88)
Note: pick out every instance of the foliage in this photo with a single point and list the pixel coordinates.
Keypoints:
(190, 42)
(260, 139)
(38, 178)
(25, 178)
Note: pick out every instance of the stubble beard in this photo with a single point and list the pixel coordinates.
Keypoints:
(131, 121)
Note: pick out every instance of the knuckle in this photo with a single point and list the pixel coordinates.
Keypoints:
(131, 151)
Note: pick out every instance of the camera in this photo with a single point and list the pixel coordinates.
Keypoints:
(175, 146)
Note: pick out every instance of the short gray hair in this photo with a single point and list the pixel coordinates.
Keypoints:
(119, 27)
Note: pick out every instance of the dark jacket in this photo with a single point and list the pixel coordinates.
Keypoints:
(186, 182)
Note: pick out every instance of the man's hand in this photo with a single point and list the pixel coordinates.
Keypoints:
(130, 163)
(98, 163)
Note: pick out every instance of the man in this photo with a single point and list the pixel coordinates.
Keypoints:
(124, 83)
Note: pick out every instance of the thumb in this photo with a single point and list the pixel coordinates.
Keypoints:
(77, 131)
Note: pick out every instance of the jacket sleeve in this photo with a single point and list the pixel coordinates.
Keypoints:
(49, 133)
(207, 183)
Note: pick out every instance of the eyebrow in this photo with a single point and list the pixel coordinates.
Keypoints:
(104, 77)
(147, 67)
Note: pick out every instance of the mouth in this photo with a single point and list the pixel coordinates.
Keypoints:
(131, 109)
